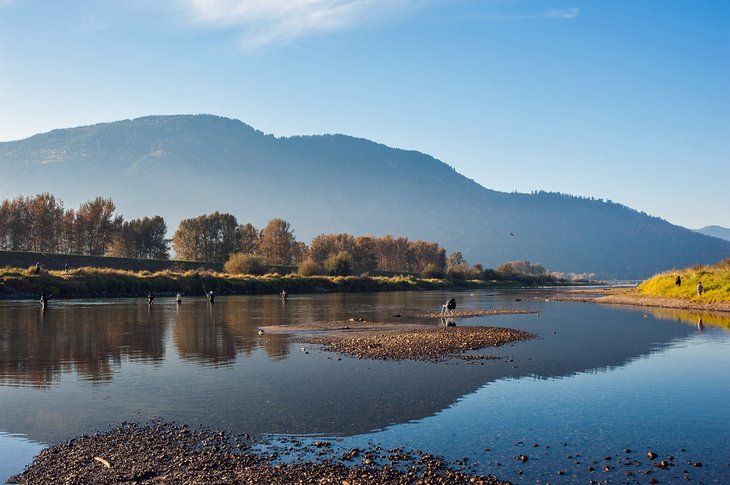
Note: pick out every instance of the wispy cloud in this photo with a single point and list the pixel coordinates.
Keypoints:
(562, 13)
(553, 13)
(264, 22)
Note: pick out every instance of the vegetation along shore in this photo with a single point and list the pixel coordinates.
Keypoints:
(23, 283)
(677, 288)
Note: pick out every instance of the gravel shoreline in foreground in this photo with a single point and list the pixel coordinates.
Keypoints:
(167, 453)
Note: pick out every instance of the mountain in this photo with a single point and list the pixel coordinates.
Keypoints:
(715, 231)
(183, 166)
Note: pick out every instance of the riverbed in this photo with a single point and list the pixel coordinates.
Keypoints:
(598, 380)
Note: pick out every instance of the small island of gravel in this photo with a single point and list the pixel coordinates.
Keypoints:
(424, 344)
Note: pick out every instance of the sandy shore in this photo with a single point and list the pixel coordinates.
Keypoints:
(166, 453)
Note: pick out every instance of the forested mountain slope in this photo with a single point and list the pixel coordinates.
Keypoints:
(187, 165)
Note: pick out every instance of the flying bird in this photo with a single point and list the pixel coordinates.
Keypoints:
(512, 234)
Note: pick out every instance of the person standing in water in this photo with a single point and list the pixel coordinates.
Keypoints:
(44, 299)
(178, 298)
(211, 296)
(150, 298)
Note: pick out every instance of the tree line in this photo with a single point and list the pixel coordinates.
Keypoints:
(218, 237)
(42, 224)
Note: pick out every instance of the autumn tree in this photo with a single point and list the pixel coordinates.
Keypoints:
(141, 238)
(326, 245)
(455, 258)
(339, 264)
(95, 226)
(212, 238)
(14, 225)
(45, 217)
(277, 243)
(249, 238)
(521, 268)
(67, 239)
(422, 254)
(364, 254)
(392, 253)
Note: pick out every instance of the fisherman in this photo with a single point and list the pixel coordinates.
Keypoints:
(211, 296)
(65, 268)
(284, 295)
(150, 298)
(178, 298)
(37, 267)
(449, 306)
(44, 299)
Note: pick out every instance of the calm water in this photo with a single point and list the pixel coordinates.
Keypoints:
(599, 380)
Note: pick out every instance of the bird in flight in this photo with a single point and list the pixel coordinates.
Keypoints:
(512, 234)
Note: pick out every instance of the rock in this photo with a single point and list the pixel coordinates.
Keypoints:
(653, 480)
(697, 464)
(651, 455)
(627, 450)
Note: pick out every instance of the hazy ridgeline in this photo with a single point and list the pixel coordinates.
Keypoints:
(177, 166)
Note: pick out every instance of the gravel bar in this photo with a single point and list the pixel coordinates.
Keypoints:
(167, 453)
(423, 344)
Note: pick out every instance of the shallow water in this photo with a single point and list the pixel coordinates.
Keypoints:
(598, 380)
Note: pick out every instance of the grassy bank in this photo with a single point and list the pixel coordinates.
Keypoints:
(108, 283)
(660, 291)
(715, 281)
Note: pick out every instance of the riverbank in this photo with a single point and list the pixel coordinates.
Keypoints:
(635, 298)
(676, 289)
(23, 283)
(167, 453)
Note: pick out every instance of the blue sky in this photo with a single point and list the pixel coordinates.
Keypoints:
(622, 100)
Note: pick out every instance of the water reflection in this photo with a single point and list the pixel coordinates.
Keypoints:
(719, 320)
(216, 334)
(37, 346)
(223, 374)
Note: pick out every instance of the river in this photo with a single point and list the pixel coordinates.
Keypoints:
(599, 380)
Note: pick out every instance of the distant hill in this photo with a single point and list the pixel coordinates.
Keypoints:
(183, 166)
(715, 231)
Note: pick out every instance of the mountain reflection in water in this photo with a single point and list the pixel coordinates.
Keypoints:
(79, 367)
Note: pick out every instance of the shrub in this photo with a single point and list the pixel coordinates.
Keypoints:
(432, 271)
(241, 263)
(339, 264)
(309, 267)
(463, 272)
